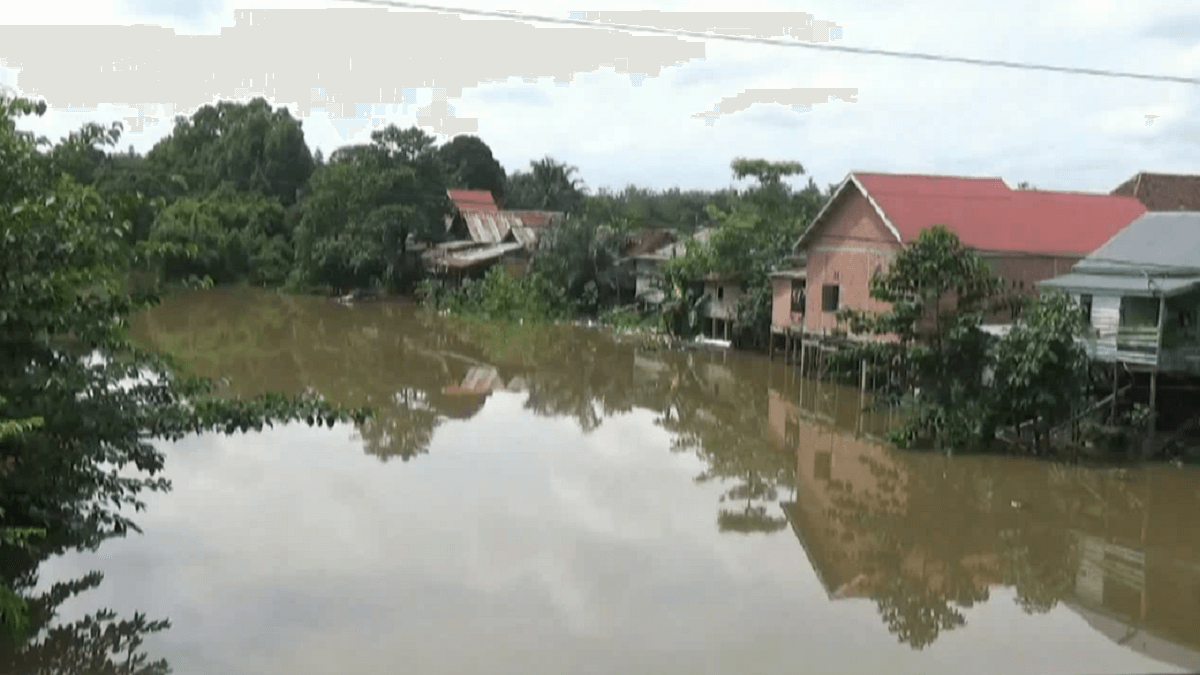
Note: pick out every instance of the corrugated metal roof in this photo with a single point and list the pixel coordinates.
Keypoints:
(490, 227)
(675, 249)
(473, 200)
(1167, 241)
(478, 255)
(1120, 284)
(526, 236)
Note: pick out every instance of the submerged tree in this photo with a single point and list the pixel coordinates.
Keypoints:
(938, 294)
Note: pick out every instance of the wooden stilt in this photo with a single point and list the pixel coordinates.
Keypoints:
(803, 352)
(1112, 415)
(1153, 410)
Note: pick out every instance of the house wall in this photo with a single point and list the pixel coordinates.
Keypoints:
(846, 252)
(646, 286)
(782, 315)
(725, 308)
(1023, 271)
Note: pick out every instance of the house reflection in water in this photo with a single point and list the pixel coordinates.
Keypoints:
(924, 535)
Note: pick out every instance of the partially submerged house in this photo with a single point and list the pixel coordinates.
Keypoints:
(1027, 235)
(648, 282)
(1163, 191)
(479, 235)
(1141, 294)
(635, 269)
(723, 291)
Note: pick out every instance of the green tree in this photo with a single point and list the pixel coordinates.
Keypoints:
(364, 205)
(580, 257)
(249, 146)
(65, 359)
(548, 185)
(938, 293)
(1040, 368)
(471, 166)
(750, 240)
(240, 236)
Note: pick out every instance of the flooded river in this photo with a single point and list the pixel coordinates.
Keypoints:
(551, 501)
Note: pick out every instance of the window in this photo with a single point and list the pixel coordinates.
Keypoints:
(798, 296)
(823, 465)
(829, 297)
(1085, 307)
(720, 292)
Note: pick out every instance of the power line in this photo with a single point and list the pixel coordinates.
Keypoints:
(1017, 65)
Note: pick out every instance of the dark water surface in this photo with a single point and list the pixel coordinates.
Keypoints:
(551, 501)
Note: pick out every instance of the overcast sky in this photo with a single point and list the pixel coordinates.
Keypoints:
(1058, 131)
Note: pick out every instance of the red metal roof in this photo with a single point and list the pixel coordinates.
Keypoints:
(473, 200)
(989, 216)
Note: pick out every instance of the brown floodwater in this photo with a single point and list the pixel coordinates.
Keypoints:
(550, 500)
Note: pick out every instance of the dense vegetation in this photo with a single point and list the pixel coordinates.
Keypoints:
(80, 405)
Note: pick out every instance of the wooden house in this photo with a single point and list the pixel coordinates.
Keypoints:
(1141, 294)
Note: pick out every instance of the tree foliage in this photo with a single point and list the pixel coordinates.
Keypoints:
(751, 239)
(580, 257)
(240, 236)
(248, 146)
(548, 185)
(964, 384)
(66, 360)
(471, 166)
(364, 205)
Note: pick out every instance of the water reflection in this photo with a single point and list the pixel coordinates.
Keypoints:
(926, 537)
(568, 503)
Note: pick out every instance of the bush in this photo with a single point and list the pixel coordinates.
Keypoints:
(499, 296)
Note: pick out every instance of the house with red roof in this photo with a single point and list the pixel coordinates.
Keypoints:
(479, 234)
(1027, 235)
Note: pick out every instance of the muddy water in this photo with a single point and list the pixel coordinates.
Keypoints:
(550, 501)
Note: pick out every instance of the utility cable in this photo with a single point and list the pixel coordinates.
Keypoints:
(991, 63)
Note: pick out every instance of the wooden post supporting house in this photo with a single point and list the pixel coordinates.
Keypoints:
(803, 351)
(1162, 315)
(1112, 417)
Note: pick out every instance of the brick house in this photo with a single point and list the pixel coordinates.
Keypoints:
(1027, 235)
(1162, 191)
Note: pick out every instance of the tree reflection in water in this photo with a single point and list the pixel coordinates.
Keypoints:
(922, 536)
(926, 536)
(100, 643)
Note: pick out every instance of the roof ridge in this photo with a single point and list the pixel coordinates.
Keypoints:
(925, 175)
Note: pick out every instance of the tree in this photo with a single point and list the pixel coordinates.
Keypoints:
(246, 145)
(471, 166)
(938, 293)
(365, 204)
(548, 185)
(240, 236)
(1041, 369)
(580, 257)
(750, 240)
(66, 360)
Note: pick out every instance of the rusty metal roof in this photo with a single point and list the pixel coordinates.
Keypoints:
(490, 228)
